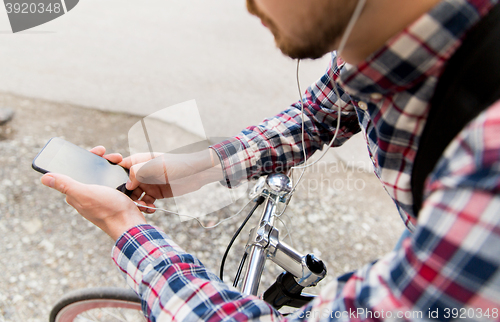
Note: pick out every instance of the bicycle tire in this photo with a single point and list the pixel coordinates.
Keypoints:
(98, 304)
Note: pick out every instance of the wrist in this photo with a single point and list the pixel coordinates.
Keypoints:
(213, 174)
(202, 160)
(121, 223)
(214, 158)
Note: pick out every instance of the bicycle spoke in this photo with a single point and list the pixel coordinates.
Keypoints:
(111, 315)
(84, 319)
(119, 318)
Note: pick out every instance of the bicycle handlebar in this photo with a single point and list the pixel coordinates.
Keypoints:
(264, 241)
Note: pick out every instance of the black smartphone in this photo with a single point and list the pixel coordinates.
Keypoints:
(61, 156)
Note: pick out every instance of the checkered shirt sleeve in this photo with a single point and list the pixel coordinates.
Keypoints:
(175, 286)
(276, 144)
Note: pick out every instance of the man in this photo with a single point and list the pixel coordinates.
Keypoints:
(396, 52)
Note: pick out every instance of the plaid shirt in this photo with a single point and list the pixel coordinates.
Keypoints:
(448, 269)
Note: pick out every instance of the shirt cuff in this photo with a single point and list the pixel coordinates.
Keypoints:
(139, 248)
(235, 159)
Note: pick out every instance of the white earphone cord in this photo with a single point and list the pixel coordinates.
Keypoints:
(343, 41)
(193, 217)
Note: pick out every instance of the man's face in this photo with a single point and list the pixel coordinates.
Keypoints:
(304, 28)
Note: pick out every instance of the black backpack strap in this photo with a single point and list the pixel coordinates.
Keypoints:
(469, 84)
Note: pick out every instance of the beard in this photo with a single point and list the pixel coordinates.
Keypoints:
(317, 38)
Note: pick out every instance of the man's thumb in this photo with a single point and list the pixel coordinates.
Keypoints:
(59, 182)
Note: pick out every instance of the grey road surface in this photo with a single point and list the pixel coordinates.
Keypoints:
(139, 58)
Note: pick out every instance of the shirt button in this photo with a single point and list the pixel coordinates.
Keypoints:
(376, 96)
(362, 105)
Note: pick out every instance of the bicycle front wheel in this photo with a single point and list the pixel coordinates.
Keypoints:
(103, 304)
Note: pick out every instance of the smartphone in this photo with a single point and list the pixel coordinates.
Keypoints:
(60, 156)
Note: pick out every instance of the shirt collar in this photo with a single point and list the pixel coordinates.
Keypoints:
(417, 52)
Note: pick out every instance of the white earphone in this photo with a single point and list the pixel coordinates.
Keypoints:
(345, 36)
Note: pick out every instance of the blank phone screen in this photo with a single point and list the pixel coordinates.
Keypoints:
(60, 156)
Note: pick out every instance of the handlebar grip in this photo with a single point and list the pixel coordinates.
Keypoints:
(286, 292)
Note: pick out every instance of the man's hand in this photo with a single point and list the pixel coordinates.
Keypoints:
(161, 176)
(170, 175)
(107, 208)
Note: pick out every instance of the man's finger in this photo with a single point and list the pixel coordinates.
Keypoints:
(149, 200)
(144, 209)
(132, 182)
(114, 157)
(126, 162)
(99, 150)
(60, 182)
(134, 159)
(137, 158)
(151, 175)
(136, 194)
(152, 172)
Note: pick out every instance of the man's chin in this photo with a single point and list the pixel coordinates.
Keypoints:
(306, 52)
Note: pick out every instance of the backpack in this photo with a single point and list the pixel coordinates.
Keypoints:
(469, 84)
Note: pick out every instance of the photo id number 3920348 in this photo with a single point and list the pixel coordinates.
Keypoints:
(470, 313)
(33, 7)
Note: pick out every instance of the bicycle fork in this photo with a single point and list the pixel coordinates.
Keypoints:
(264, 243)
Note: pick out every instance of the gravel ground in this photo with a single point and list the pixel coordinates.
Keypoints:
(341, 214)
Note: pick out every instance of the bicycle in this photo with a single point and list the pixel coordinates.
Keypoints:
(301, 271)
